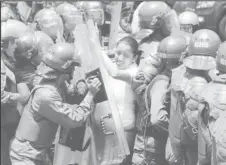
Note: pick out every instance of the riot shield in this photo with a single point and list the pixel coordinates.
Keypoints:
(115, 19)
(108, 144)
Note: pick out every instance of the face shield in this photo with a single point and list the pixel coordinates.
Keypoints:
(97, 15)
(186, 28)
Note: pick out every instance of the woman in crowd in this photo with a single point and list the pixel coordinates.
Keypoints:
(127, 57)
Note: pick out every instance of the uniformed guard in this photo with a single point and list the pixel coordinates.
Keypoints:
(152, 22)
(8, 35)
(187, 81)
(29, 51)
(189, 21)
(46, 109)
(70, 16)
(212, 116)
(152, 119)
(9, 114)
(48, 21)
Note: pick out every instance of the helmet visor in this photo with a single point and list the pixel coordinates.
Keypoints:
(97, 15)
(186, 28)
(71, 20)
(200, 62)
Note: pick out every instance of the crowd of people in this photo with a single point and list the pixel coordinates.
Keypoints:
(167, 76)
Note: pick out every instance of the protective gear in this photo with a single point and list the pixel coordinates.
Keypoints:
(202, 50)
(152, 123)
(183, 116)
(9, 97)
(95, 10)
(221, 58)
(188, 21)
(9, 114)
(25, 46)
(217, 120)
(156, 15)
(190, 115)
(70, 15)
(151, 14)
(208, 112)
(188, 18)
(43, 43)
(218, 133)
(172, 47)
(219, 137)
(39, 122)
(62, 57)
(8, 13)
(29, 45)
(8, 30)
(29, 52)
(50, 23)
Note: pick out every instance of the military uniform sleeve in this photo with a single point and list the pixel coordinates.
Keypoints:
(52, 108)
(135, 25)
(159, 110)
(5, 96)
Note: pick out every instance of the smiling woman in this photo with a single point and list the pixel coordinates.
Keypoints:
(127, 57)
(125, 67)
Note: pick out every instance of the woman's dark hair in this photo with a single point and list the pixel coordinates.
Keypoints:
(134, 46)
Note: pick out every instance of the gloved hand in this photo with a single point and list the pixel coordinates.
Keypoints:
(94, 85)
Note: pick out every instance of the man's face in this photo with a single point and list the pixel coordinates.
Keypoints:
(186, 28)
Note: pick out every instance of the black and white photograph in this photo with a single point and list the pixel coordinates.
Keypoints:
(113, 82)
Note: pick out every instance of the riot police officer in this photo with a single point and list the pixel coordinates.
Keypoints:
(152, 119)
(9, 115)
(70, 16)
(8, 34)
(187, 81)
(48, 21)
(188, 25)
(212, 116)
(94, 10)
(189, 21)
(152, 22)
(46, 109)
(29, 51)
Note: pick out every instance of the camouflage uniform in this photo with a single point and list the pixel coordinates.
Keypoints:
(182, 142)
(212, 116)
(150, 148)
(9, 114)
(45, 110)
